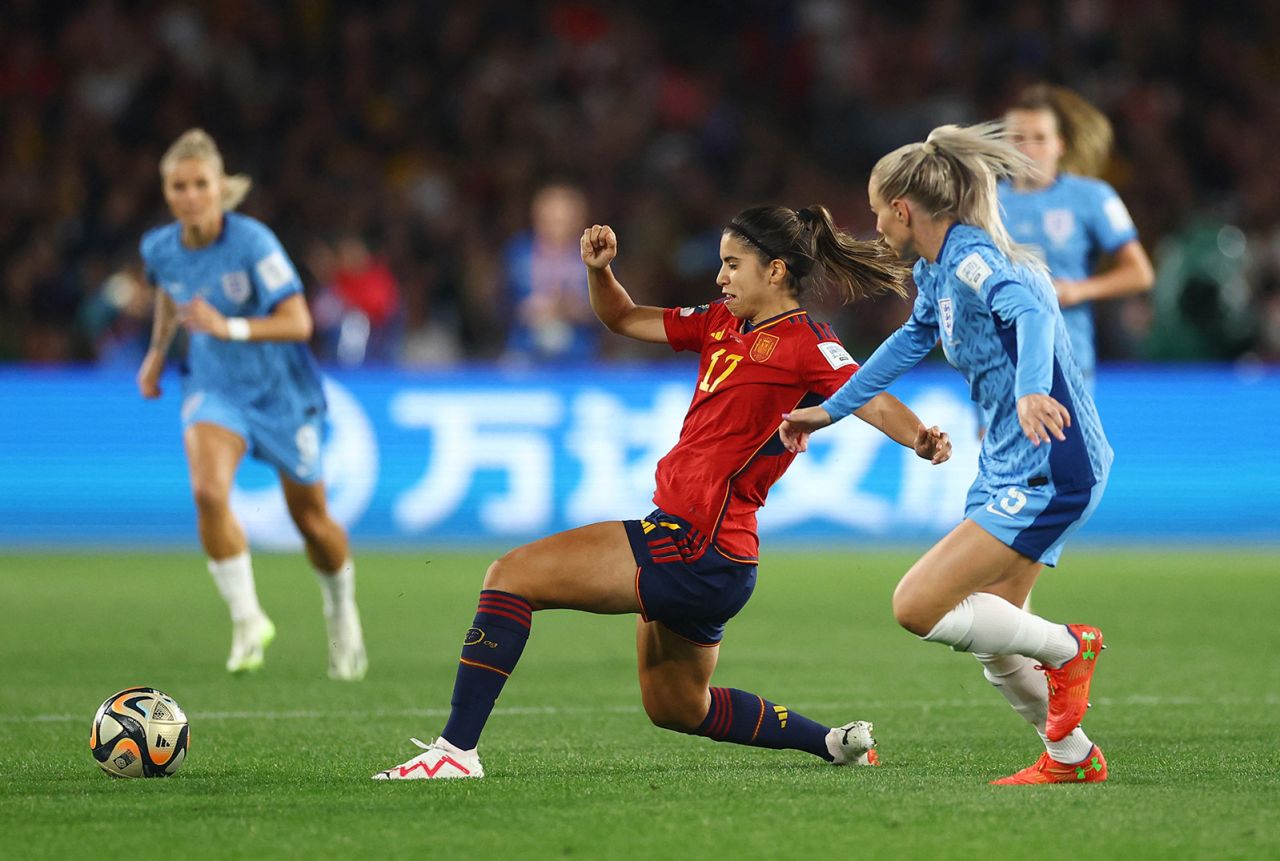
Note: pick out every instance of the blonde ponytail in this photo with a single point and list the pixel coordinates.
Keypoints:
(953, 173)
(197, 144)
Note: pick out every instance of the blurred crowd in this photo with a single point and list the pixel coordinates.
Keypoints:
(430, 165)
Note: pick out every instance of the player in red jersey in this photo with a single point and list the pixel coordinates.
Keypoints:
(690, 565)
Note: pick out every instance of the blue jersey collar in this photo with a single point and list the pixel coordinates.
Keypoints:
(942, 249)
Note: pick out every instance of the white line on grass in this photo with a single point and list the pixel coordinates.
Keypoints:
(1137, 700)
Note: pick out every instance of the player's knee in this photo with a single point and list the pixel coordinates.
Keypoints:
(314, 524)
(210, 496)
(502, 572)
(915, 616)
(522, 572)
(667, 710)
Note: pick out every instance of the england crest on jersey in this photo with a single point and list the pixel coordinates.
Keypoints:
(236, 286)
(947, 314)
(1059, 225)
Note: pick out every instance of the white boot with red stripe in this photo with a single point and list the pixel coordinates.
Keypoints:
(439, 760)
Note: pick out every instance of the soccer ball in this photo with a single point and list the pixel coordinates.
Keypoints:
(139, 732)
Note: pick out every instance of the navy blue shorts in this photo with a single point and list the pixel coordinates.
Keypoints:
(682, 581)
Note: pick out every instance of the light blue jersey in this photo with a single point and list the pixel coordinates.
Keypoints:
(1001, 328)
(269, 392)
(1069, 224)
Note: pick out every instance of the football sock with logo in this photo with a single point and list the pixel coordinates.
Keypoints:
(1027, 690)
(234, 578)
(744, 718)
(489, 653)
(987, 623)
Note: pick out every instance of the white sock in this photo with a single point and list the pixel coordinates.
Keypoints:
(1072, 749)
(986, 623)
(338, 588)
(1019, 682)
(234, 579)
(1027, 690)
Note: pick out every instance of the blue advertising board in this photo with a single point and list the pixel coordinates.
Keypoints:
(482, 455)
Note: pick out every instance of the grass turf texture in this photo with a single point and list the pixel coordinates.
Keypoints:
(279, 766)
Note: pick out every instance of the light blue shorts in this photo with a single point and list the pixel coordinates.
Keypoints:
(290, 445)
(1035, 521)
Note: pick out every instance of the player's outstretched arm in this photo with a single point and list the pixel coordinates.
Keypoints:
(288, 321)
(896, 421)
(609, 299)
(163, 328)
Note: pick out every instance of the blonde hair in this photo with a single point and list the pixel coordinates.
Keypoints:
(1086, 132)
(953, 174)
(197, 144)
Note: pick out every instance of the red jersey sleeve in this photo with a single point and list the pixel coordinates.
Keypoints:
(687, 327)
(826, 365)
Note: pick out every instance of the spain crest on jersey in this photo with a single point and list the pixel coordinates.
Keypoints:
(763, 347)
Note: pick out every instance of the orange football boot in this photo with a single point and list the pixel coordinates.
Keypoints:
(1069, 684)
(1092, 769)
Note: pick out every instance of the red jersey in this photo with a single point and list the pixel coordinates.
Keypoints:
(729, 453)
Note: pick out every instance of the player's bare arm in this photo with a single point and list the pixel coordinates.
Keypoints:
(892, 418)
(609, 299)
(289, 321)
(1131, 273)
(884, 412)
(163, 327)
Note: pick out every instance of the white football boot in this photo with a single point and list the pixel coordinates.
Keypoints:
(347, 661)
(249, 640)
(853, 744)
(438, 760)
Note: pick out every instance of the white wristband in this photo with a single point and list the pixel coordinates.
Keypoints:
(237, 329)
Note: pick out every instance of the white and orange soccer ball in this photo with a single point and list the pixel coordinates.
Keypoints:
(139, 732)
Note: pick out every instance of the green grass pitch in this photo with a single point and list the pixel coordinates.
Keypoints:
(1185, 705)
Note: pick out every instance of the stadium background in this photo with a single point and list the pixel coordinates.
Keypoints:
(396, 148)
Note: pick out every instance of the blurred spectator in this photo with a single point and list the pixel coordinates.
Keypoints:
(116, 318)
(422, 128)
(357, 304)
(546, 284)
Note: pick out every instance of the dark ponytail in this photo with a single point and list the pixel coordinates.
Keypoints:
(817, 252)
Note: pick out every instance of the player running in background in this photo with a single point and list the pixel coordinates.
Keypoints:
(1044, 460)
(690, 566)
(249, 385)
(1067, 214)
